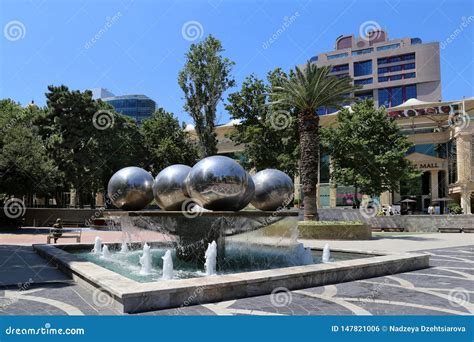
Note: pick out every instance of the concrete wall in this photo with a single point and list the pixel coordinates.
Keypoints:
(44, 217)
(412, 223)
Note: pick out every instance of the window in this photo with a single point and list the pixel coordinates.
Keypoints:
(363, 81)
(364, 95)
(388, 47)
(314, 59)
(339, 55)
(383, 78)
(394, 96)
(395, 77)
(408, 66)
(409, 75)
(363, 68)
(415, 41)
(361, 52)
(341, 67)
(394, 59)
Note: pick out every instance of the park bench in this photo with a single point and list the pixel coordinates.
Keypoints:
(449, 230)
(66, 235)
(388, 229)
(468, 230)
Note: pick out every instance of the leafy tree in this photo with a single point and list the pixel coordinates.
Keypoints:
(25, 166)
(268, 133)
(306, 90)
(166, 142)
(204, 78)
(87, 139)
(367, 149)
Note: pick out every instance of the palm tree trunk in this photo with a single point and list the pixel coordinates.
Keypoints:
(308, 126)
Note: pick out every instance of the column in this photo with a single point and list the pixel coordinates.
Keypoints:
(466, 202)
(386, 198)
(434, 184)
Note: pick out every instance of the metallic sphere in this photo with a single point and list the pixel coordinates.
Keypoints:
(168, 187)
(219, 183)
(131, 188)
(273, 189)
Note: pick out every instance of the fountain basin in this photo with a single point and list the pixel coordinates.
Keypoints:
(132, 296)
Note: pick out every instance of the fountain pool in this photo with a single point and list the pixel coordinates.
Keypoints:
(239, 257)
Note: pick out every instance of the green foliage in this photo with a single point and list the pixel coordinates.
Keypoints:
(455, 208)
(204, 78)
(25, 165)
(367, 149)
(268, 133)
(307, 89)
(166, 142)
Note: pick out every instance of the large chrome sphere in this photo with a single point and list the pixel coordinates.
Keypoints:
(168, 187)
(131, 188)
(273, 189)
(219, 183)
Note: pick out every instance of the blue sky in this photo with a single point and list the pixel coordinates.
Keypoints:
(141, 45)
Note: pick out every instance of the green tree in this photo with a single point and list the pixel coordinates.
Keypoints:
(88, 140)
(306, 90)
(268, 133)
(25, 166)
(204, 78)
(367, 149)
(166, 142)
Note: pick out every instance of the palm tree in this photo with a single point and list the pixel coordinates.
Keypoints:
(306, 90)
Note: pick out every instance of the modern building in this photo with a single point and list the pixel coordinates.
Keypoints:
(404, 76)
(389, 71)
(138, 107)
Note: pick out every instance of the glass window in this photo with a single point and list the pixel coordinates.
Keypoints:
(363, 68)
(383, 70)
(364, 95)
(415, 41)
(395, 77)
(339, 55)
(313, 59)
(408, 66)
(383, 78)
(395, 68)
(361, 52)
(409, 75)
(341, 67)
(363, 81)
(410, 91)
(390, 97)
(394, 59)
(388, 47)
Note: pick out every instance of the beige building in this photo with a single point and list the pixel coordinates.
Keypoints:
(443, 135)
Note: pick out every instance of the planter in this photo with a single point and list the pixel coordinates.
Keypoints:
(337, 230)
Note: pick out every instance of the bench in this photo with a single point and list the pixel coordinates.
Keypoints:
(388, 229)
(449, 230)
(66, 235)
(468, 230)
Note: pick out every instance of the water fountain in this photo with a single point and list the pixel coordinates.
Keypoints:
(326, 253)
(97, 245)
(145, 260)
(124, 248)
(303, 255)
(105, 252)
(167, 266)
(211, 259)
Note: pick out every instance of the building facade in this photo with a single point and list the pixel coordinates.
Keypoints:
(388, 71)
(138, 107)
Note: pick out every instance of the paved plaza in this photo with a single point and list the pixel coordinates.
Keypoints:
(30, 286)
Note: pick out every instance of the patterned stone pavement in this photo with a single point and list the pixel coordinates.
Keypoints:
(446, 288)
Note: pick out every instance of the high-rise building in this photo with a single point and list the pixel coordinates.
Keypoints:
(389, 71)
(138, 107)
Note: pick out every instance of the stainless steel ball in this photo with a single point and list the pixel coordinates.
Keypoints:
(219, 183)
(273, 189)
(168, 187)
(131, 188)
